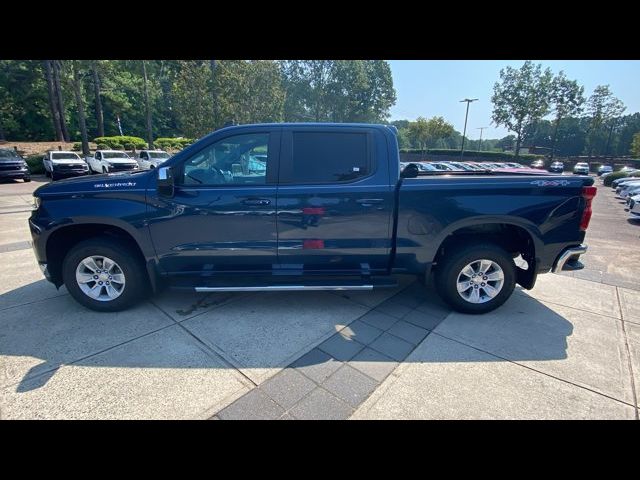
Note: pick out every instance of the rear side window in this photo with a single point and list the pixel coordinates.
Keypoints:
(329, 157)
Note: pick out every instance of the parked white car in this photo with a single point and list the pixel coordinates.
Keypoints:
(59, 163)
(148, 159)
(108, 161)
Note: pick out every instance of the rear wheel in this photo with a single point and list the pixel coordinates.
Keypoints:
(476, 278)
(27, 179)
(104, 275)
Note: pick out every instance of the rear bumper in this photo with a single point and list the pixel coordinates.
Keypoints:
(568, 259)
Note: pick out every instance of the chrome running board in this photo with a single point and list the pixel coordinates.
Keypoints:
(283, 288)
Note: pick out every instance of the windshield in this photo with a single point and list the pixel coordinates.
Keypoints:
(4, 153)
(582, 165)
(115, 155)
(160, 155)
(65, 156)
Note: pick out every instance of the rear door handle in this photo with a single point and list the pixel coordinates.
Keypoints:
(367, 202)
(256, 202)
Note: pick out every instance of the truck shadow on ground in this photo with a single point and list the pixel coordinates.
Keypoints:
(258, 331)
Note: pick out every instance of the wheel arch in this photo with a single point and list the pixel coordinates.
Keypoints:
(61, 240)
(515, 237)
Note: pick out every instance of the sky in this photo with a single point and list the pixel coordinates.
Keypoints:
(430, 88)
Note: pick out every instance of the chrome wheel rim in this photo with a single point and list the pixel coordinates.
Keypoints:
(100, 278)
(480, 281)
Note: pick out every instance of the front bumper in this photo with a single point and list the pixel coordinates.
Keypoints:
(22, 173)
(568, 259)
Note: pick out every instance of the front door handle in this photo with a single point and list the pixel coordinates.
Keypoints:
(256, 202)
(367, 202)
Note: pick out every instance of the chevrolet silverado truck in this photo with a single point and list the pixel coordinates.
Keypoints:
(13, 165)
(148, 159)
(327, 209)
(107, 161)
(59, 164)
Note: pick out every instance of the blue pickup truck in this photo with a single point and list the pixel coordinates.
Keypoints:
(305, 207)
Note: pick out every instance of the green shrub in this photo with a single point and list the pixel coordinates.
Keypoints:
(608, 180)
(129, 146)
(102, 146)
(35, 164)
(119, 142)
(77, 147)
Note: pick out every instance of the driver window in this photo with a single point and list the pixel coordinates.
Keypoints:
(237, 160)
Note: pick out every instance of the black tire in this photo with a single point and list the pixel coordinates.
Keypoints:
(450, 267)
(27, 179)
(136, 280)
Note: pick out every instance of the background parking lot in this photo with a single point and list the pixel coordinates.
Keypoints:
(570, 348)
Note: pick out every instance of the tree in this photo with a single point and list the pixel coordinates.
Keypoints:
(53, 103)
(191, 92)
(77, 89)
(520, 98)
(419, 132)
(214, 101)
(57, 66)
(425, 132)
(337, 90)
(438, 129)
(603, 109)
(567, 99)
(506, 143)
(307, 85)
(249, 92)
(147, 106)
(635, 145)
(98, 99)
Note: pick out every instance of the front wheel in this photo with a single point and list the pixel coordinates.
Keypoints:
(104, 275)
(476, 278)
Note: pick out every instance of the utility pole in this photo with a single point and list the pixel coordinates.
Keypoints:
(481, 130)
(468, 100)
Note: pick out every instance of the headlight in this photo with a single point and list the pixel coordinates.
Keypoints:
(36, 202)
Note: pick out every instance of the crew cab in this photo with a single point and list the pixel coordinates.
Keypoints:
(306, 207)
(148, 159)
(107, 161)
(59, 164)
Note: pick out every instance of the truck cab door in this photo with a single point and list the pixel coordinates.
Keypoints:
(335, 200)
(221, 217)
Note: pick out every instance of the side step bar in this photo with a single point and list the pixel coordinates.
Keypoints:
(283, 288)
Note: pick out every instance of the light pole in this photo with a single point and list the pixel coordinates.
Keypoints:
(468, 100)
(481, 130)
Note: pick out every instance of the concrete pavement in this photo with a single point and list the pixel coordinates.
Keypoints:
(570, 348)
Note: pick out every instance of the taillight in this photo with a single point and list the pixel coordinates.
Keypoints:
(587, 193)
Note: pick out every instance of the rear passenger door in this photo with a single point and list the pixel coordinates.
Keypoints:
(334, 200)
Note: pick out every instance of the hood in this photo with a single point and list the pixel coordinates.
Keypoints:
(109, 182)
(10, 160)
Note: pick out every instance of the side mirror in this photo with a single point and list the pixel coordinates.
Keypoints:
(410, 171)
(166, 184)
